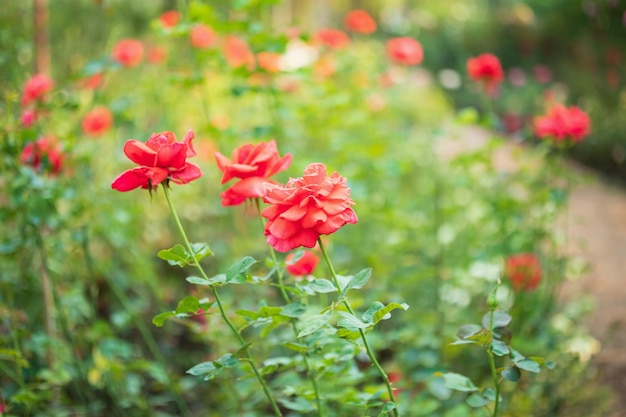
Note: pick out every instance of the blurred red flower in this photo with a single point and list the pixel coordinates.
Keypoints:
(269, 61)
(162, 157)
(28, 117)
(202, 36)
(405, 51)
(486, 69)
(36, 88)
(331, 38)
(360, 21)
(524, 271)
(97, 121)
(92, 82)
(305, 265)
(128, 52)
(237, 53)
(307, 207)
(43, 155)
(563, 124)
(169, 19)
(253, 165)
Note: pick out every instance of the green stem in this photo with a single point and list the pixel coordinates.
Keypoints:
(492, 365)
(305, 360)
(220, 306)
(369, 351)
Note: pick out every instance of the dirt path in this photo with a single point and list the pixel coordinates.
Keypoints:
(597, 225)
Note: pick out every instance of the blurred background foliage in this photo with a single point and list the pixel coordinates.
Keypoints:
(434, 227)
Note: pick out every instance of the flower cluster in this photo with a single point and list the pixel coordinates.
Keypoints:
(563, 124)
(43, 155)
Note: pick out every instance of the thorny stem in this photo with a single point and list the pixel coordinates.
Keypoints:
(220, 306)
(305, 360)
(369, 351)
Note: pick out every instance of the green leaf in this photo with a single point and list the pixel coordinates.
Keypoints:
(239, 269)
(512, 374)
(298, 347)
(322, 286)
(200, 251)
(356, 282)
(368, 316)
(188, 304)
(348, 334)
(528, 365)
(313, 324)
(211, 369)
(500, 319)
(350, 322)
(198, 281)
(468, 330)
(159, 319)
(383, 313)
(293, 310)
(174, 256)
(459, 382)
(298, 404)
(499, 348)
(542, 361)
(389, 406)
(476, 400)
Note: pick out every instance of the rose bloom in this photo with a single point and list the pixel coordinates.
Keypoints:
(307, 207)
(36, 88)
(43, 155)
(563, 124)
(169, 19)
(97, 121)
(405, 51)
(237, 53)
(253, 165)
(524, 271)
(162, 157)
(485, 68)
(202, 36)
(331, 38)
(269, 61)
(360, 21)
(157, 54)
(305, 265)
(128, 52)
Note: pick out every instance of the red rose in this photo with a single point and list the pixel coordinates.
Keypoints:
(97, 121)
(305, 265)
(253, 165)
(202, 36)
(307, 207)
(563, 124)
(161, 158)
(360, 21)
(331, 38)
(169, 19)
(485, 68)
(92, 82)
(36, 88)
(128, 52)
(524, 271)
(405, 51)
(43, 155)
